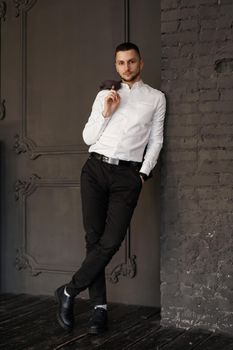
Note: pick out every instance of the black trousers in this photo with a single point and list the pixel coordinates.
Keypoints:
(109, 196)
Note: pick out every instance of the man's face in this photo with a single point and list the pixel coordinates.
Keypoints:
(129, 66)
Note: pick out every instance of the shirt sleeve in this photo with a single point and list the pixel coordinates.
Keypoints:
(96, 122)
(155, 141)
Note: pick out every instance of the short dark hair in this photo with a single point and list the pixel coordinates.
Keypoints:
(127, 46)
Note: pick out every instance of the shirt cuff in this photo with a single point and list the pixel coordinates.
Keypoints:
(105, 118)
(145, 169)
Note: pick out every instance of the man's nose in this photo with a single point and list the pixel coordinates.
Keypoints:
(127, 65)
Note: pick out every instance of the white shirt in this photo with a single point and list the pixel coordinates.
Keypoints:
(137, 122)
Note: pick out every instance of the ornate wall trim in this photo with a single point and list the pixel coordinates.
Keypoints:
(2, 18)
(128, 268)
(127, 20)
(23, 189)
(2, 10)
(23, 143)
(23, 6)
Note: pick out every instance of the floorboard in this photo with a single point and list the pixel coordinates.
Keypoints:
(29, 323)
(188, 340)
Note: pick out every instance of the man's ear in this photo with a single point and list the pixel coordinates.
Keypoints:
(141, 63)
(116, 67)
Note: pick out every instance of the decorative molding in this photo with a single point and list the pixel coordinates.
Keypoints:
(26, 188)
(2, 18)
(2, 109)
(23, 189)
(26, 145)
(127, 269)
(24, 261)
(23, 6)
(23, 143)
(2, 10)
(126, 21)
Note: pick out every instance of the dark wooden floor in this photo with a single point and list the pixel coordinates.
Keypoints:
(29, 322)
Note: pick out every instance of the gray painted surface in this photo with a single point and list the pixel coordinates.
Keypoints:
(54, 55)
(197, 170)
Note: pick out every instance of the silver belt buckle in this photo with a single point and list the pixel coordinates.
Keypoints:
(110, 160)
(114, 161)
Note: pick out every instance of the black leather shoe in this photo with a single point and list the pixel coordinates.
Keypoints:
(65, 314)
(98, 322)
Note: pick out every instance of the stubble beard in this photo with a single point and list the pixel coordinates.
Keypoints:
(131, 79)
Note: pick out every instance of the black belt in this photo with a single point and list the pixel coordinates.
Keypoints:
(114, 161)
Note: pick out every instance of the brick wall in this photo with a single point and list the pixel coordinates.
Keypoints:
(197, 164)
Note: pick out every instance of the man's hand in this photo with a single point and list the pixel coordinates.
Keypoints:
(111, 103)
(142, 179)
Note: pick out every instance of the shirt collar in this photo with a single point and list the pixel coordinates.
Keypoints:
(136, 85)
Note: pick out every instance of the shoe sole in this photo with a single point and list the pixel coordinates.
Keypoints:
(97, 331)
(62, 324)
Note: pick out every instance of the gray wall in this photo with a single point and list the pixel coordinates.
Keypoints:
(53, 56)
(197, 169)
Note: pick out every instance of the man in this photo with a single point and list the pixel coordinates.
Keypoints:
(122, 125)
